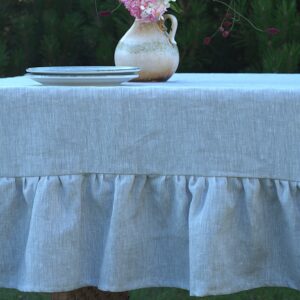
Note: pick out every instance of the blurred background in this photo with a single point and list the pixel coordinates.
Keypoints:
(69, 32)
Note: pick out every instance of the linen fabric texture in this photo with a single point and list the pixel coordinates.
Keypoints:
(192, 183)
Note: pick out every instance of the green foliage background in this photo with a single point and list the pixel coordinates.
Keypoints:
(68, 32)
(173, 294)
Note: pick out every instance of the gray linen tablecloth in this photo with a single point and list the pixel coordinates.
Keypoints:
(193, 183)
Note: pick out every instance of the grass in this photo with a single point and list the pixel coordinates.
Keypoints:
(257, 294)
(174, 294)
(6, 294)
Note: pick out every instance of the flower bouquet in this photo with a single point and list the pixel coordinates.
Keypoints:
(148, 10)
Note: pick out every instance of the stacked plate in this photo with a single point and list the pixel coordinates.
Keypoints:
(93, 76)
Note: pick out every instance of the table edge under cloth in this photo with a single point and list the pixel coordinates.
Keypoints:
(236, 132)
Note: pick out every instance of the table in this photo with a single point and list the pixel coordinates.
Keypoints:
(193, 183)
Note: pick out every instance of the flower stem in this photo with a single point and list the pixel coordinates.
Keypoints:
(217, 31)
(116, 8)
(96, 7)
(112, 11)
(239, 14)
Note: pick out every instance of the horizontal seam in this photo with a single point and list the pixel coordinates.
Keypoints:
(152, 175)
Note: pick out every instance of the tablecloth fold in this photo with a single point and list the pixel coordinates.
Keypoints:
(210, 235)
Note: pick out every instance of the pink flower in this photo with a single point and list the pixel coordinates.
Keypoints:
(147, 10)
(272, 31)
(227, 24)
(207, 41)
(104, 13)
(226, 34)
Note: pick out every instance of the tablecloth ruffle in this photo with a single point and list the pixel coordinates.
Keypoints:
(210, 235)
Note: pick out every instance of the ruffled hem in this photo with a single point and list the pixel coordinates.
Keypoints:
(210, 235)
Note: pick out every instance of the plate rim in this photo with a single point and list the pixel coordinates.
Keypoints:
(93, 71)
(107, 77)
(112, 80)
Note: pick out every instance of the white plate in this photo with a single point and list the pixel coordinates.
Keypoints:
(82, 80)
(100, 70)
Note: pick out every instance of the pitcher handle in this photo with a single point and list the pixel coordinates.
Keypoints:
(174, 27)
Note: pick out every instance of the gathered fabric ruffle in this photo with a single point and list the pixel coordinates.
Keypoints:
(209, 235)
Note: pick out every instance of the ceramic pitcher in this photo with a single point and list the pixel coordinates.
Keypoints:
(149, 46)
